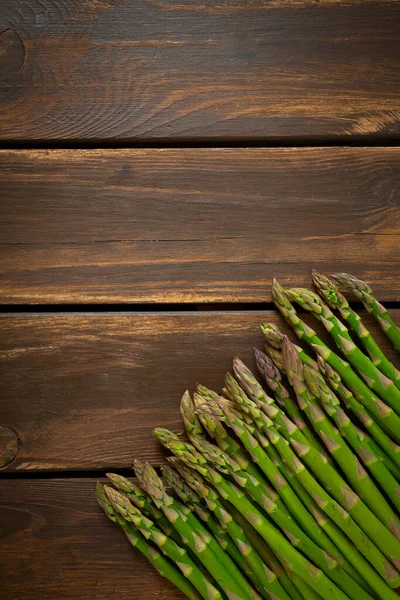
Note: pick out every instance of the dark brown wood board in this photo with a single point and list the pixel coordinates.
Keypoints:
(162, 70)
(84, 391)
(194, 225)
(56, 543)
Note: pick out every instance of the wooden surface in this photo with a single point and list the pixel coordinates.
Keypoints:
(127, 177)
(163, 70)
(85, 391)
(56, 543)
(194, 225)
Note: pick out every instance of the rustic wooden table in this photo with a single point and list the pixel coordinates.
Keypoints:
(160, 162)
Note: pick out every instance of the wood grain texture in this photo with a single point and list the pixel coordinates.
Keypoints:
(57, 544)
(166, 70)
(85, 391)
(194, 225)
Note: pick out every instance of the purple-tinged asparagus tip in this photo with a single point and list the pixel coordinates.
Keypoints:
(138, 467)
(291, 359)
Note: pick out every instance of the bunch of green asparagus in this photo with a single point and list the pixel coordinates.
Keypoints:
(289, 489)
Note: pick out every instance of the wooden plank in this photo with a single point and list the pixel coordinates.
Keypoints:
(198, 70)
(57, 543)
(194, 225)
(84, 391)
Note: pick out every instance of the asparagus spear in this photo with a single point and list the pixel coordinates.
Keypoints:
(283, 399)
(191, 421)
(275, 355)
(165, 567)
(264, 579)
(374, 378)
(316, 384)
(177, 554)
(392, 450)
(329, 291)
(350, 465)
(362, 291)
(306, 590)
(274, 337)
(384, 414)
(220, 566)
(281, 546)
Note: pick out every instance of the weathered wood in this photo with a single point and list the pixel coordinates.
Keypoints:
(57, 543)
(85, 391)
(154, 70)
(194, 225)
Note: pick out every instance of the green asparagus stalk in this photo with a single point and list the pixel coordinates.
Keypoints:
(316, 384)
(377, 450)
(373, 377)
(327, 561)
(362, 291)
(264, 579)
(280, 545)
(219, 565)
(177, 554)
(384, 414)
(164, 566)
(283, 399)
(349, 463)
(329, 291)
(206, 392)
(306, 590)
(390, 448)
